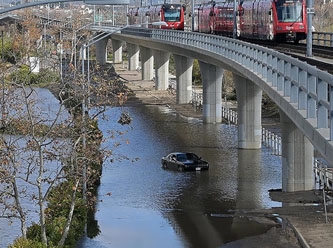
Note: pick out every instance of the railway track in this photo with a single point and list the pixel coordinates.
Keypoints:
(322, 55)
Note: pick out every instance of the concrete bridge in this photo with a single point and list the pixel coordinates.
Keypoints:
(31, 3)
(303, 93)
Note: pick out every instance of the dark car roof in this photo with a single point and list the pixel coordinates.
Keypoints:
(176, 153)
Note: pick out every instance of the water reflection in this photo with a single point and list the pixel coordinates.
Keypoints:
(42, 105)
(152, 207)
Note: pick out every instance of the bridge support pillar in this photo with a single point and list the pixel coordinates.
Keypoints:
(117, 47)
(248, 183)
(101, 52)
(212, 92)
(297, 158)
(184, 66)
(133, 56)
(249, 97)
(147, 63)
(161, 60)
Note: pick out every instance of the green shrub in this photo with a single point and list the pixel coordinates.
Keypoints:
(196, 74)
(25, 76)
(7, 52)
(58, 208)
(28, 243)
(46, 76)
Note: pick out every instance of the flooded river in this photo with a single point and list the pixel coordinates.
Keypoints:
(46, 108)
(142, 205)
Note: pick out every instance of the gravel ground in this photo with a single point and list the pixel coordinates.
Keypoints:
(295, 205)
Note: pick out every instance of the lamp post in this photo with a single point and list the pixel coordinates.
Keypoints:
(193, 14)
(3, 109)
(86, 102)
(234, 33)
(75, 40)
(84, 145)
(309, 13)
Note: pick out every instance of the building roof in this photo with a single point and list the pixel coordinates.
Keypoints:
(9, 18)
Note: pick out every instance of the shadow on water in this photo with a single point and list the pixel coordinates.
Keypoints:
(142, 205)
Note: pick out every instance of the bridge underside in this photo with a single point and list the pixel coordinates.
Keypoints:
(297, 151)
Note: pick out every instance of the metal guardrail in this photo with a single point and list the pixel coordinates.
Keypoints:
(197, 100)
(268, 138)
(272, 140)
(323, 174)
(229, 114)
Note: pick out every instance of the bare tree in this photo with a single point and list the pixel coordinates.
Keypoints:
(323, 17)
(41, 151)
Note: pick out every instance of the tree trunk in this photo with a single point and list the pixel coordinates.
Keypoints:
(41, 197)
(19, 209)
(70, 216)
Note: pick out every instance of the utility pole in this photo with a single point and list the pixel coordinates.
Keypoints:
(234, 33)
(309, 14)
(3, 109)
(193, 14)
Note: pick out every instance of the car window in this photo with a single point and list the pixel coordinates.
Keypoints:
(171, 156)
(181, 157)
(192, 156)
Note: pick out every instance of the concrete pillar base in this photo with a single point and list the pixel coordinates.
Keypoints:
(161, 60)
(249, 97)
(184, 66)
(297, 158)
(117, 47)
(147, 63)
(133, 52)
(101, 52)
(211, 76)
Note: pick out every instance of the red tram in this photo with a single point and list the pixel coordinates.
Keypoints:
(278, 20)
(172, 14)
(215, 18)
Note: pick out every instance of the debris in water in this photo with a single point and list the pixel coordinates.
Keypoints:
(125, 118)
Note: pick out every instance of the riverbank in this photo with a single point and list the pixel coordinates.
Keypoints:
(302, 217)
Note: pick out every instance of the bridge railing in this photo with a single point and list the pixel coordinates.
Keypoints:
(229, 114)
(307, 88)
(322, 173)
(268, 138)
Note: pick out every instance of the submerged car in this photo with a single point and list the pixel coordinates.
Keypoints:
(184, 161)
